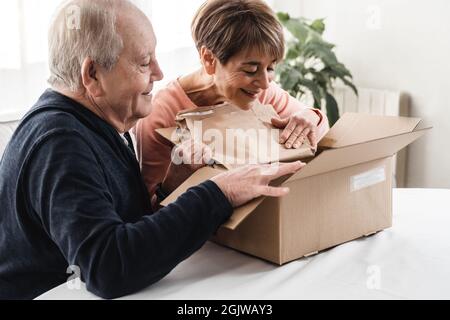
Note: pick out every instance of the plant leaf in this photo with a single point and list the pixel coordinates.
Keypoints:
(289, 77)
(292, 53)
(318, 26)
(298, 79)
(351, 85)
(315, 90)
(332, 109)
(298, 30)
(283, 16)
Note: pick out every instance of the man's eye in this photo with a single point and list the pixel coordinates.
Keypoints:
(252, 73)
(146, 64)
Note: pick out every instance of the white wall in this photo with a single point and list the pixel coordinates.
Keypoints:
(399, 45)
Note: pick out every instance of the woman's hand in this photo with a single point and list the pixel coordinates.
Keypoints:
(299, 127)
(187, 158)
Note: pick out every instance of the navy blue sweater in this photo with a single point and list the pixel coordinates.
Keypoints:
(71, 193)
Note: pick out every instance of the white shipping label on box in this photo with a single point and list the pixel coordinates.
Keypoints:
(367, 179)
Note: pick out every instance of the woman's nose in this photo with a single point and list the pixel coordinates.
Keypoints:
(264, 80)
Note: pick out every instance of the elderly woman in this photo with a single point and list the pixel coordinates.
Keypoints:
(240, 43)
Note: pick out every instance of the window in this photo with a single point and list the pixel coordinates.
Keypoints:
(23, 50)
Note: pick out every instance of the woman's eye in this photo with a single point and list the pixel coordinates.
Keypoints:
(252, 73)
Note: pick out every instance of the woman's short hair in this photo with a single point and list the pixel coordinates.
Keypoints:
(228, 27)
(81, 29)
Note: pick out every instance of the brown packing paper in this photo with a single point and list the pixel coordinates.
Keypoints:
(239, 137)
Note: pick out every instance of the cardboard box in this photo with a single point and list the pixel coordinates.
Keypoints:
(342, 194)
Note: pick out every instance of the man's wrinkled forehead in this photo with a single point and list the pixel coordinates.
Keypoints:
(136, 31)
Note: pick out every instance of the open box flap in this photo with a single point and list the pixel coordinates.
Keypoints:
(327, 161)
(169, 134)
(355, 128)
(201, 176)
(198, 177)
(422, 125)
(334, 159)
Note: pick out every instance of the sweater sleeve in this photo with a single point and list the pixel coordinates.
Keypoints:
(69, 196)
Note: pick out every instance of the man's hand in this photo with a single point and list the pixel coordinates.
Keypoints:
(250, 182)
(298, 128)
(186, 159)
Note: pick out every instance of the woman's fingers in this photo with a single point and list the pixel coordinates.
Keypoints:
(312, 136)
(298, 131)
(288, 132)
(301, 139)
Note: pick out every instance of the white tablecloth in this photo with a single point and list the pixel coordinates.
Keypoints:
(409, 261)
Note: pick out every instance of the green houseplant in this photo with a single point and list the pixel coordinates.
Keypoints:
(310, 67)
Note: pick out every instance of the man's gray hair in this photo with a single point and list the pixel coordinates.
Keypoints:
(81, 29)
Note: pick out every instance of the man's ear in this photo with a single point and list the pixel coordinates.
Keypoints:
(209, 60)
(89, 78)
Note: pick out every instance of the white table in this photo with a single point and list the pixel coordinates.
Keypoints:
(409, 261)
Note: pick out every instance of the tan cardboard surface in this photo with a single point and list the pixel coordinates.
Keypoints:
(197, 178)
(169, 134)
(327, 161)
(325, 211)
(258, 234)
(354, 128)
(334, 159)
(340, 195)
(201, 176)
(320, 212)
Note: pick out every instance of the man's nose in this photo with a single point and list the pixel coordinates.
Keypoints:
(157, 74)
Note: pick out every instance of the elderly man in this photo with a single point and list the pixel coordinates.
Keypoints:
(70, 188)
